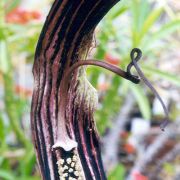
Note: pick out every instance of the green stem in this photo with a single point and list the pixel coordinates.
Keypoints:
(10, 104)
(9, 98)
(2, 11)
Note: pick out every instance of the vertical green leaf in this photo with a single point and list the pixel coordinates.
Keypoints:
(2, 12)
(6, 175)
(2, 130)
(139, 10)
(142, 101)
(151, 19)
(4, 63)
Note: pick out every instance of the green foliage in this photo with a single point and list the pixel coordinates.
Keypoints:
(147, 33)
(174, 79)
(4, 61)
(105, 114)
(11, 38)
(142, 101)
(6, 175)
(118, 173)
(10, 5)
(169, 168)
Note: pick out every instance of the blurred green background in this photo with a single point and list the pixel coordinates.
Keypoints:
(151, 25)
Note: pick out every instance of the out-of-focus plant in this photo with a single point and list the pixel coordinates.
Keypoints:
(117, 173)
(137, 23)
(17, 159)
